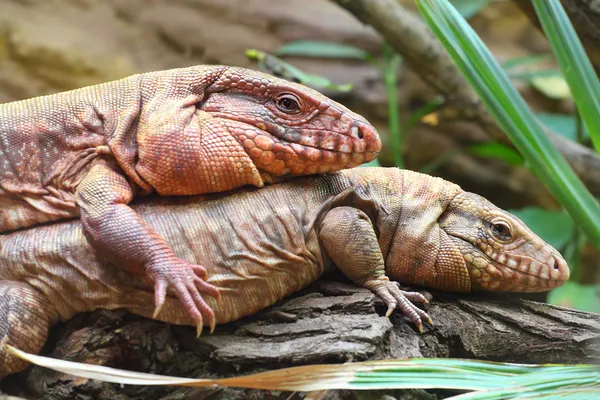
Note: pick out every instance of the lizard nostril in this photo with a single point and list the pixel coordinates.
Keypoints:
(357, 132)
(556, 267)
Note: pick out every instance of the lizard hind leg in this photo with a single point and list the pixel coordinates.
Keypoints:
(350, 241)
(25, 318)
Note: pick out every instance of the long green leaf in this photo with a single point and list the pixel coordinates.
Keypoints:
(574, 63)
(511, 112)
(488, 378)
(323, 49)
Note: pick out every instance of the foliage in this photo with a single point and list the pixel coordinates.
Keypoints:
(574, 63)
(484, 380)
(520, 124)
(512, 113)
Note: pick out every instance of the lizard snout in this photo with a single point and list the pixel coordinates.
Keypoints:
(368, 140)
(560, 271)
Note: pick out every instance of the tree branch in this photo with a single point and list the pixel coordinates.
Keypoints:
(424, 54)
(585, 17)
(329, 322)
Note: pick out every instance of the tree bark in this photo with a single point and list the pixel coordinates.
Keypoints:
(329, 322)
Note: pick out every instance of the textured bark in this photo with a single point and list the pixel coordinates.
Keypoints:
(327, 323)
(424, 54)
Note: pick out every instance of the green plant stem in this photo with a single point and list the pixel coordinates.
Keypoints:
(391, 62)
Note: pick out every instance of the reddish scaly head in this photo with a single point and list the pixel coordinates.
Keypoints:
(500, 252)
(287, 128)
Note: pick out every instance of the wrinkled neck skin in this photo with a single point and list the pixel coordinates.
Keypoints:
(421, 253)
(449, 240)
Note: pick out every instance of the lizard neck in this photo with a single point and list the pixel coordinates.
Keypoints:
(420, 253)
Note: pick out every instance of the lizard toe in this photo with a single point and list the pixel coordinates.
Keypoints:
(394, 298)
(206, 287)
(160, 294)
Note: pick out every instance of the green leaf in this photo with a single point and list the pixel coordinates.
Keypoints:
(322, 49)
(554, 227)
(563, 124)
(278, 67)
(574, 63)
(468, 8)
(512, 114)
(553, 86)
(490, 380)
(531, 75)
(574, 295)
(497, 150)
(525, 60)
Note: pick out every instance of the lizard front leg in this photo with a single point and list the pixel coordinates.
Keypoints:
(350, 241)
(117, 231)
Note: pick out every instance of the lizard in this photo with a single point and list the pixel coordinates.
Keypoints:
(87, 153)
(379, 226)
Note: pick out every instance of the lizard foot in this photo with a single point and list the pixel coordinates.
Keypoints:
(393, 297)
(186, 281)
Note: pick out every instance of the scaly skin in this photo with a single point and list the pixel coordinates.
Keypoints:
(196, 130)
(377, 225)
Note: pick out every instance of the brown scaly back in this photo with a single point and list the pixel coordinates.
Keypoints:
(501, 253)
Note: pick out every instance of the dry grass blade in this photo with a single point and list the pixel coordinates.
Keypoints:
(489, 380)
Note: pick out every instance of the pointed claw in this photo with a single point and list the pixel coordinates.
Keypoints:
(420, 327)
(429, 321)
(390, 310)
(199, 329)
(213, 323)
(425, 301)
(159, 298)
(157, 310)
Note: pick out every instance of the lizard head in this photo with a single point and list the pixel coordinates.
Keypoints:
(501, 253)
(286, 128)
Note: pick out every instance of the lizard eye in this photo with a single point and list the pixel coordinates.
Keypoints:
(288, 104)
(501, 231)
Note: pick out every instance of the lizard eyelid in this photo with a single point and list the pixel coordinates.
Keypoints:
(501, 231)
(288, 103)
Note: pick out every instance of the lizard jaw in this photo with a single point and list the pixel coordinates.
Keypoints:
(508, 272)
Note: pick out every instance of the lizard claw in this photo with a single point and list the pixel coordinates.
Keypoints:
(185, 281)
(393, 297)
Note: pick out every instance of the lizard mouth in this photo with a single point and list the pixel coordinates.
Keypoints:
(360, 138)
(509, 272)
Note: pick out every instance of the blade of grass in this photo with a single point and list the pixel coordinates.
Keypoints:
(574, 63)
(511, 112)
(391, 62)
(395, 374)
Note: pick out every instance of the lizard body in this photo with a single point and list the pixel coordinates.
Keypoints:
(88, 152)
(377, 225)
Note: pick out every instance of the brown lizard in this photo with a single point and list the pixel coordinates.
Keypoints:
(378, 225)
(203, 129)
